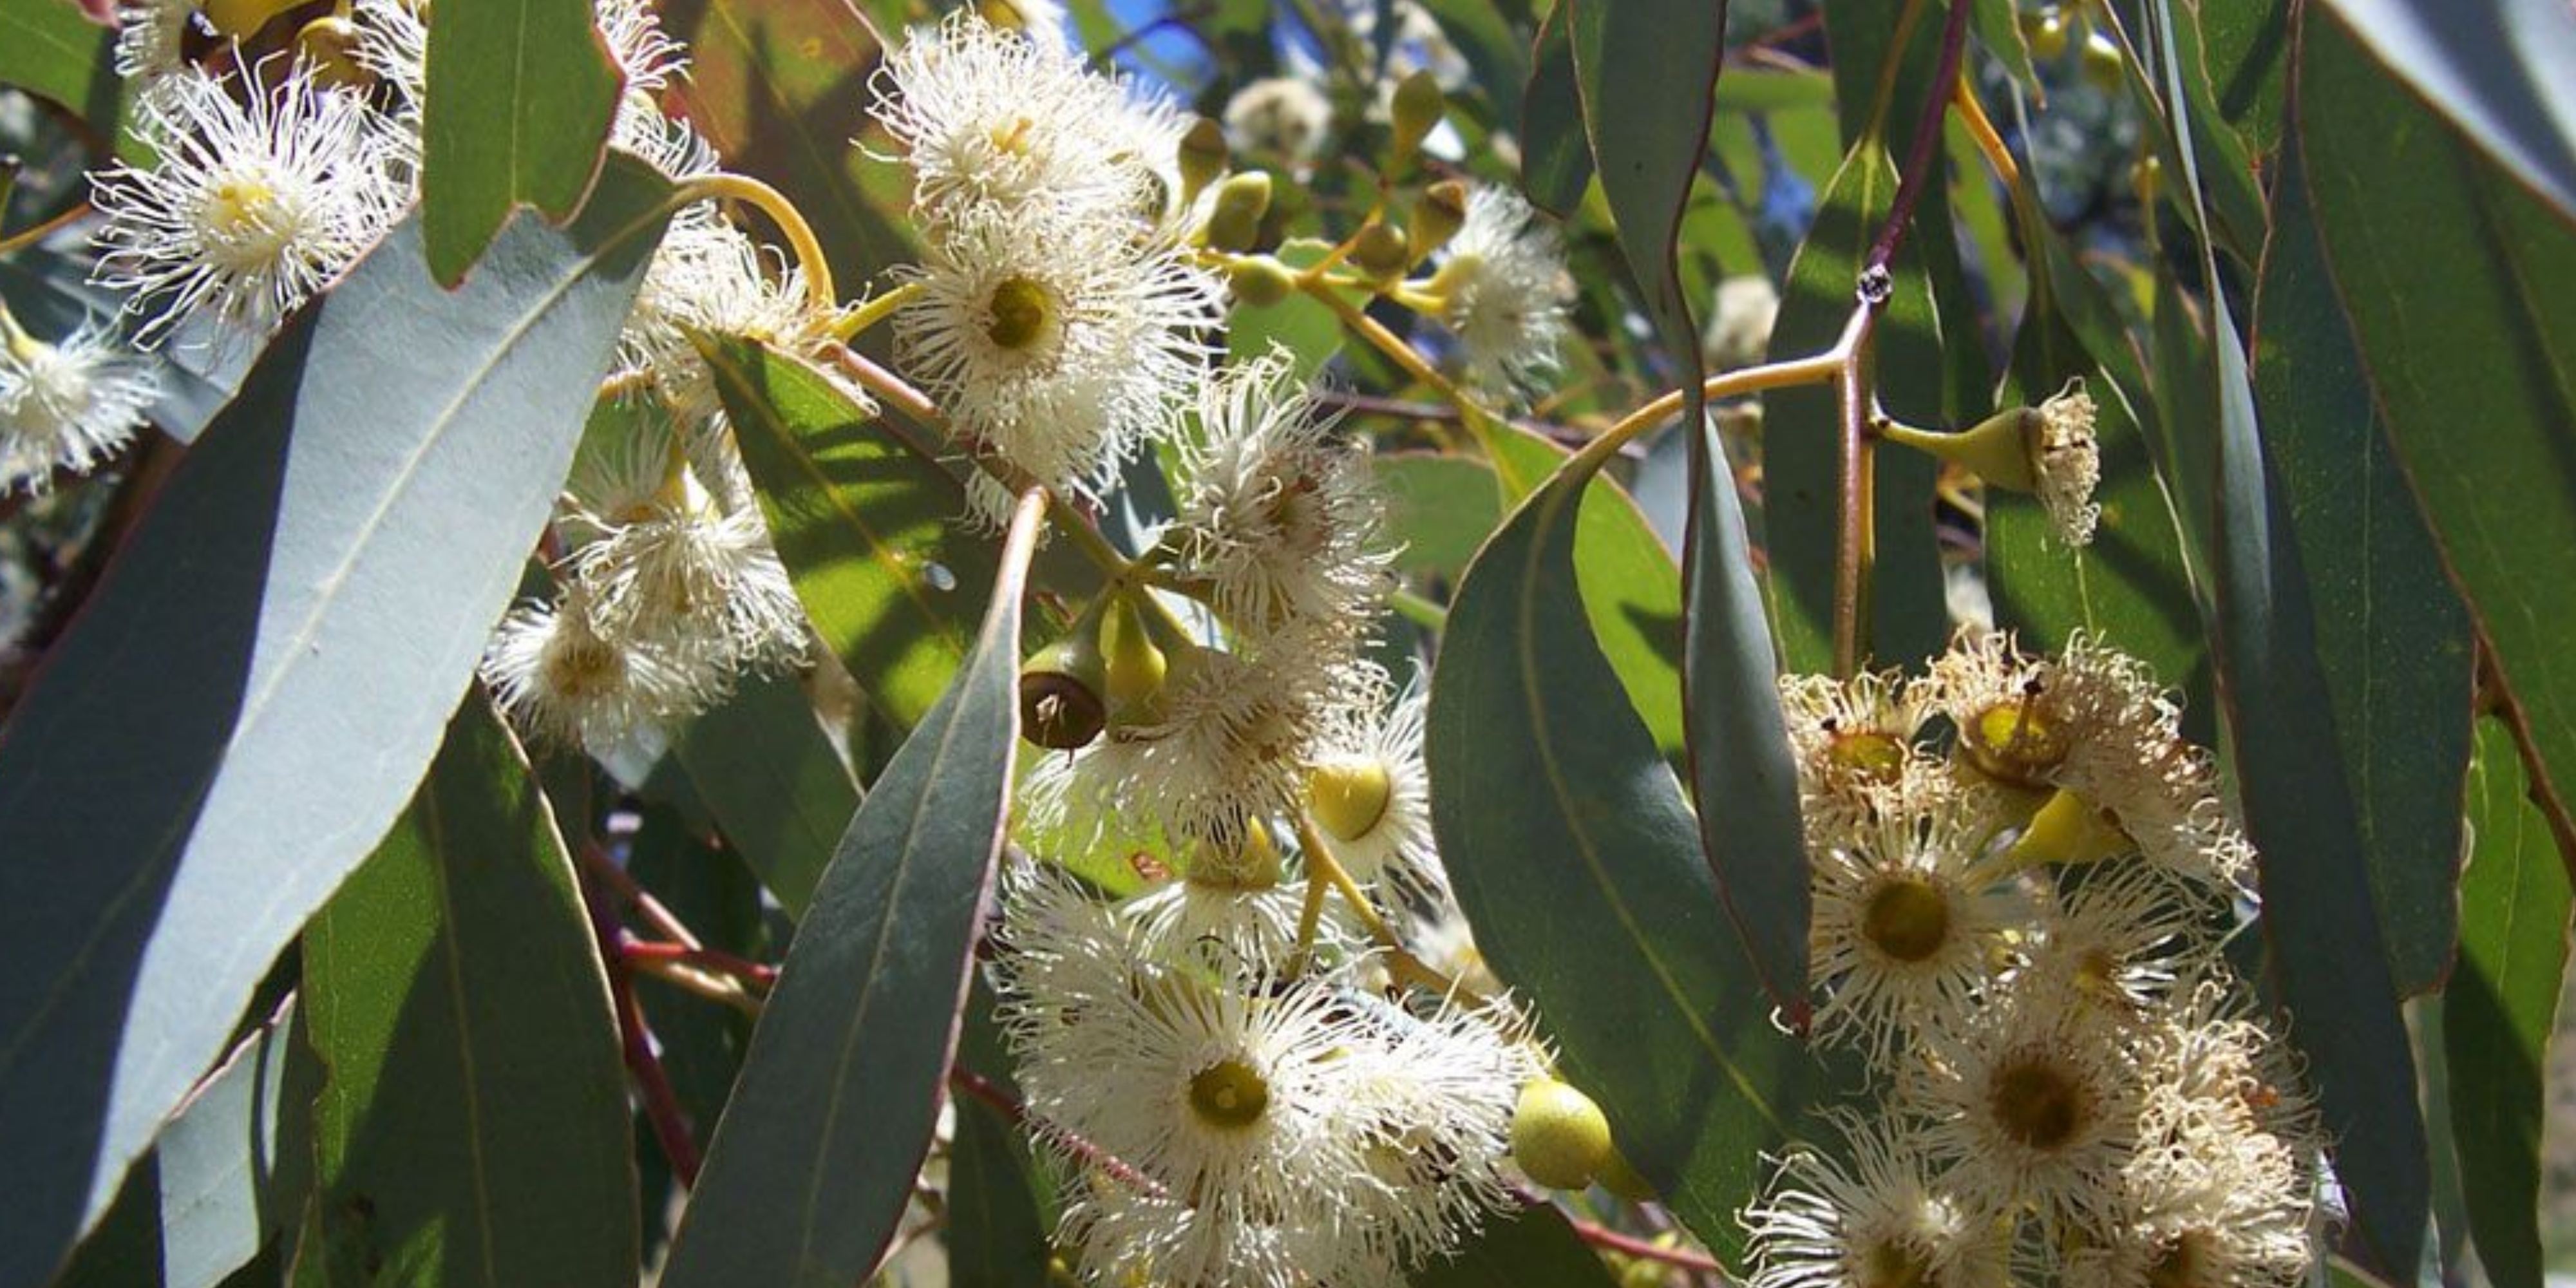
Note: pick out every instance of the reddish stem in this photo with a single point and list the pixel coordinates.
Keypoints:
(1927, 131)
(1009, 1106)
(1602, 1236)
(635, 1037)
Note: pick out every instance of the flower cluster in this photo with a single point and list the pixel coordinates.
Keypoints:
(1056, 315)
(2019, 931)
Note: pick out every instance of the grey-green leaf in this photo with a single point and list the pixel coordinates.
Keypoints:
(237, 1159)
(1535, 1247)
(814, 1160)
(191, 775)
(775, 783)
(521, 94)
(868, 524)
(1579, 864)
(2502, 1007)
(472, 1128)
(1556, 161)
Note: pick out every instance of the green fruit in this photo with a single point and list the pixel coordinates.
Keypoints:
(1559, 1137)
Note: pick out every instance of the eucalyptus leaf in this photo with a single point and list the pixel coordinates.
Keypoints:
(521, 94)
(187, 780)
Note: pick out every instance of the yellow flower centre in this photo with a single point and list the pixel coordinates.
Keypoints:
(2038, 1102)
(580, 665)
(1908, 919)
(1873, 754)
(1349, 795)
(243, 211)
(2014, 743)
(1229, 1095)
(1020, 315)
(2187, 1261)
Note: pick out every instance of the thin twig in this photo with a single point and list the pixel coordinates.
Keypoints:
(635, 1037)
(1917, 173)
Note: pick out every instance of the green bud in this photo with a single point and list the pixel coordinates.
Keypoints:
(1437, 217)
(1261, 281)
(1203, 157)
(1241, 201)
(2045, 32)
(2103, 62)
(1559, 1137)
(1379, 251)
(1135, 668)
(1997, 450)
(2068, 829)
(241, 19)
(1419, 105)
(330, 47)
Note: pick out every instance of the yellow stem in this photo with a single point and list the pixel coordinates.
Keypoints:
(868, 312)
(691, 979)
(790, 220)
(1813, 370)
(1479, 421)
(1972, 114)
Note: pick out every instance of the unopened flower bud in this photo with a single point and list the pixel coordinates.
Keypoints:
(2049, 450)
(241, 19)
(1348, 795)
(2103, 62)
(1261, 281)
(1134, 667)
(1379, 251)
(2045, 31)
(1559, 1137)
(1203, 157)
(1419, 105)
(1437, 217)
(329, 46)
(1241, 201)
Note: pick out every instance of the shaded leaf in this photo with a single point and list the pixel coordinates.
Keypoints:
(775, 783)
(2460, 291)
(870, 527)
(1534, 1247)
(472, 1127)
(2392, 635)
(1579, 865)
(2502, 1006)
(1556, 160)
(814, 1160)
(1440, 507)
(998, 1194)
(521, 93)
(186, 782)
(2301, 815)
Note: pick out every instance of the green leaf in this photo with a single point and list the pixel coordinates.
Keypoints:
(236, 1161)
(56, 53)
(870, 526)
(1440, 507)
(1556, 162)
(1534, 1247)
(2502, 1006)
(1646, 71)
(775, 783)
(1579, 865)
(246, 702)
(780, 88)
(1303, 325)
(521, 94)
(1631, 590)
(2496, 71)
(472, 1127)
(2300, 812)
(2247, 50)
(2460, 291)
(2392, 634)
(814, 1160)
(124, 1250)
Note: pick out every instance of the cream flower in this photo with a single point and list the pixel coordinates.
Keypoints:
(1912, 916)
(1285, 116)
(250, 209)
(1369, 792)
(1504, 282)
(2068, 463)
(66, 406)
(1055, 343)
(557, 677)
(1878, 1221)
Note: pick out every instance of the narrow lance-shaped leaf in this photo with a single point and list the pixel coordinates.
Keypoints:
(865, 521)
(1556, 161)
(54, 53)
(188, 779)
(2502, 1006)
(472, 1128)
(2392, 636)
(814, 1161)
(237, 1159)
(521, 95)
(1579, 864)
(2460, 291)
(775, 783)
(2300, 813)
